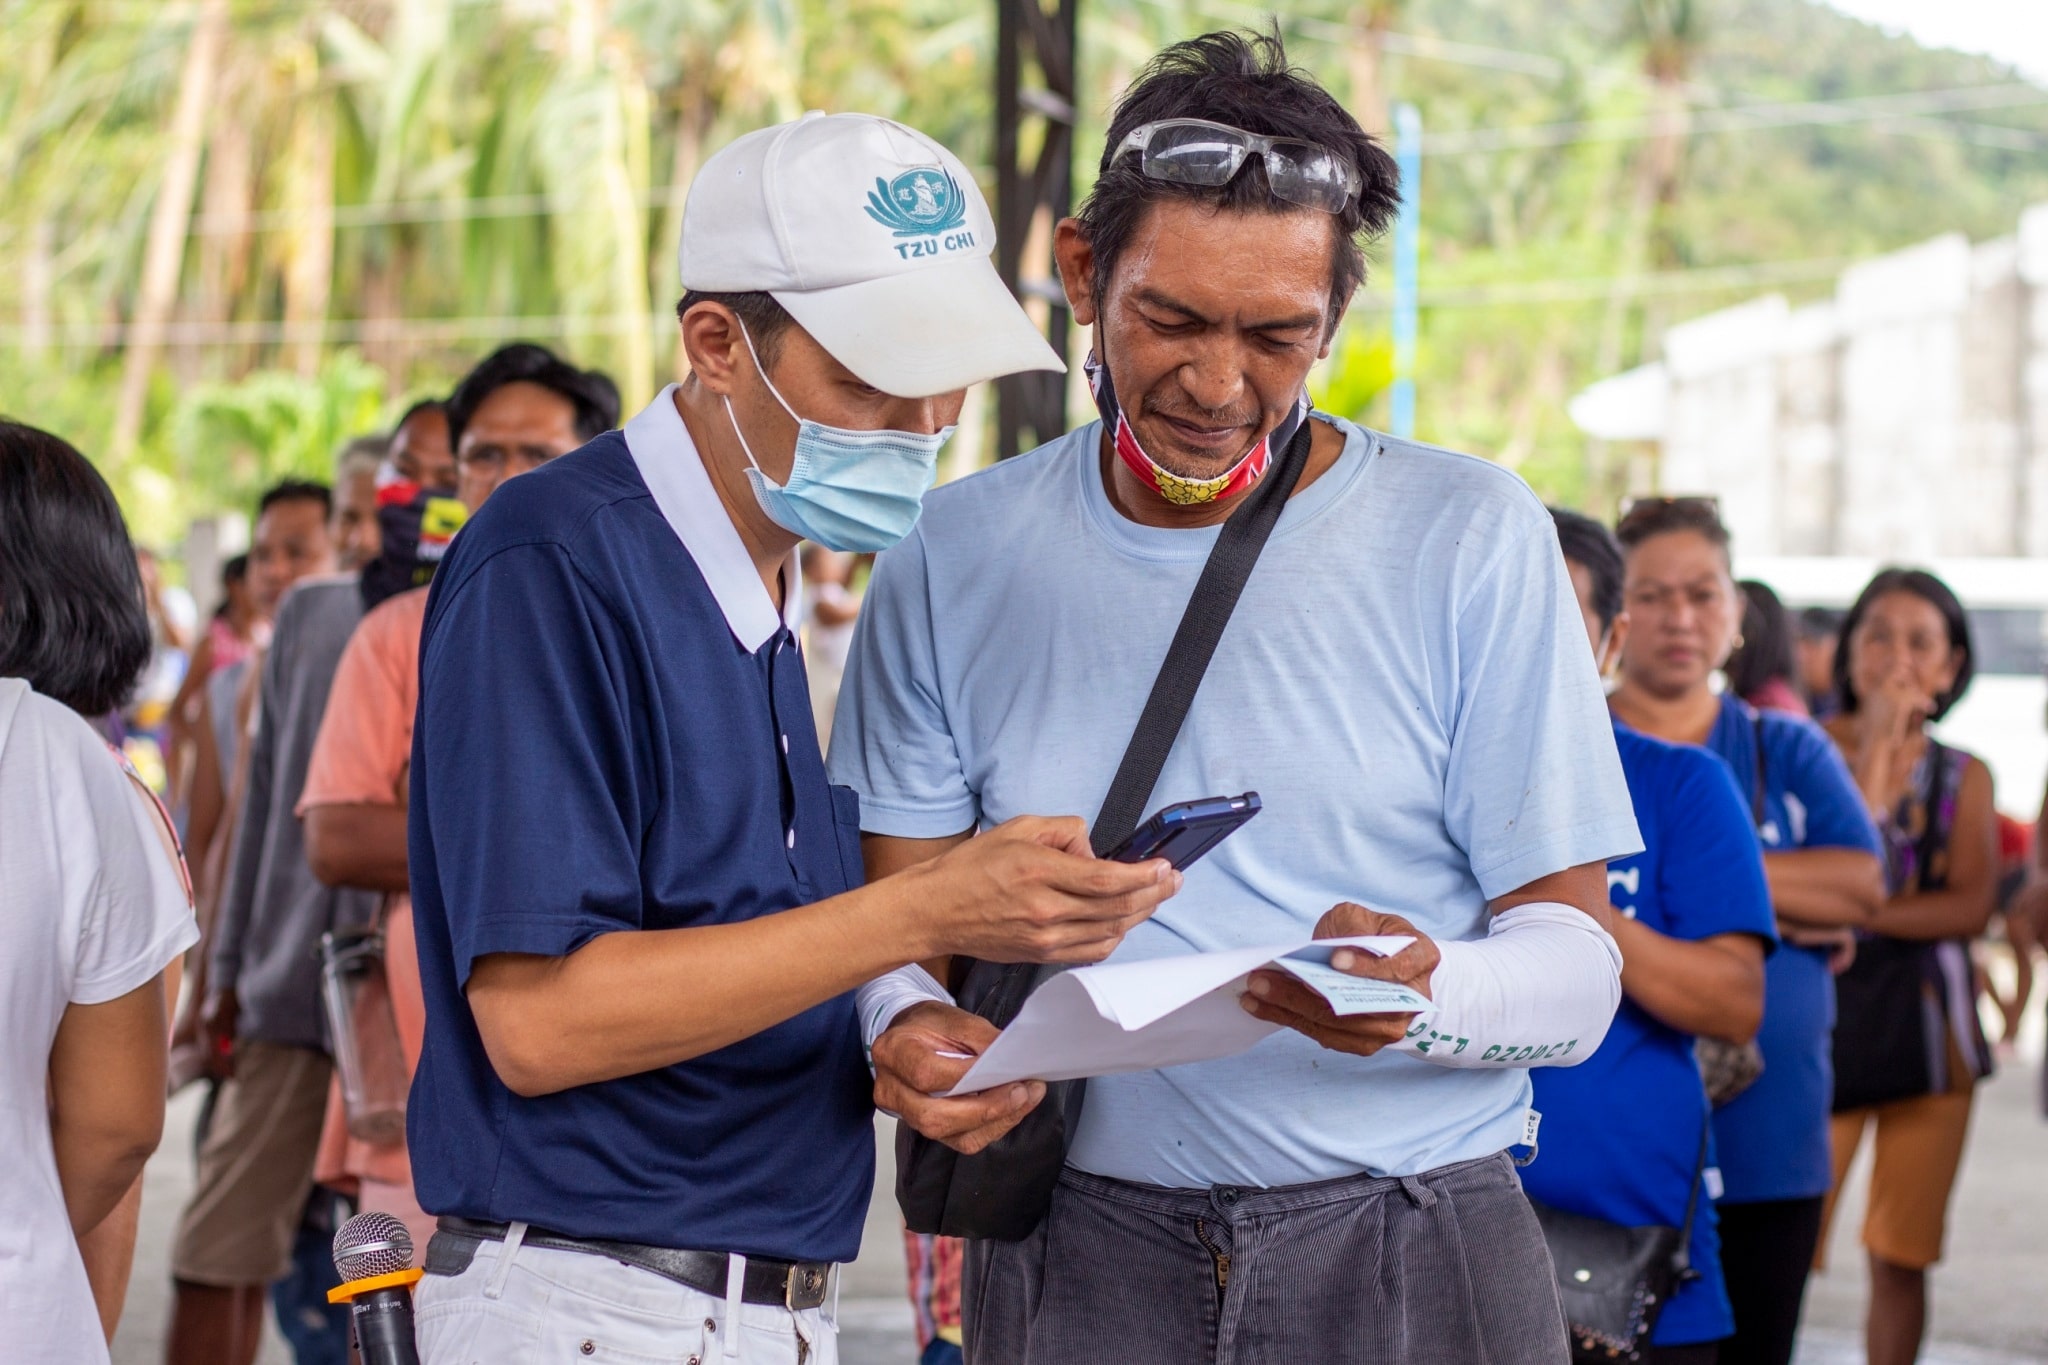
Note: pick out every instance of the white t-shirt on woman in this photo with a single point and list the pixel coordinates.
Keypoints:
(92, 906)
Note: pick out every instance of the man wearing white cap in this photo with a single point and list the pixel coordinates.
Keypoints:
(642, 1113)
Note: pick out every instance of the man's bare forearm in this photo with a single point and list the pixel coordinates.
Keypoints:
(358, 845)
(632, 1002)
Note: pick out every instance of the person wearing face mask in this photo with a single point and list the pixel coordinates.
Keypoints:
(1625, 1135)
(1405, 682)
(641, 1100)
(521, 399)
(1821, 858)
(1909, 1048)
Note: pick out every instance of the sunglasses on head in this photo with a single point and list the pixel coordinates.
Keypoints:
(1194, 151)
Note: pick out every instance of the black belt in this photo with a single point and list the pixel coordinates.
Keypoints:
(788, 1284)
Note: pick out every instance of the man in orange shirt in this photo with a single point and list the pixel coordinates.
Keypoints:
(518, 409)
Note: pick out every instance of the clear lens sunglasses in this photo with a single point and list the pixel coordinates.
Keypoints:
(1193, 151)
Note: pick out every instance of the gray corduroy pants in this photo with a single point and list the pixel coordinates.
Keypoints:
(1446, 1266)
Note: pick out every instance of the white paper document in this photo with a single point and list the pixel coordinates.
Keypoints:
(1135, 1016)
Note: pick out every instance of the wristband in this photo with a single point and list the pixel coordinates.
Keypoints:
(1539, 990)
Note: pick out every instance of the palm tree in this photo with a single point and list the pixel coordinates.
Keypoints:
(164, 253)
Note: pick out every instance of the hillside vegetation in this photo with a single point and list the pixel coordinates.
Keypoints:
(236, 229)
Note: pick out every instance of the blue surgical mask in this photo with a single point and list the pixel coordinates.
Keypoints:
(847, 490)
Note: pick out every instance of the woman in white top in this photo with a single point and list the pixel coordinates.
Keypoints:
(94, 908)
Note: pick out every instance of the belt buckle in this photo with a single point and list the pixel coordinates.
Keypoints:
(810, 1280)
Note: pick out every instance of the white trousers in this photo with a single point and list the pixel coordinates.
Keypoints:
(522, 1305)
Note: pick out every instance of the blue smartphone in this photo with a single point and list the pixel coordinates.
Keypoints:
(1183, 833)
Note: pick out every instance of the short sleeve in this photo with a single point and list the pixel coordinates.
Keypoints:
(1711, 877)
(1818, 778)
(525, 788)
(890, 739)
(1533, 785)
(365, 735)
(139, 916)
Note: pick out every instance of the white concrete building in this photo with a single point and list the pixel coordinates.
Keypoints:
(1905, 418)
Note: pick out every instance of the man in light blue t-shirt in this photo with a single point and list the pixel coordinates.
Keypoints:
(1406, 684)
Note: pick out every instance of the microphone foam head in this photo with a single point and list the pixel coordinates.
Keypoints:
(371, 1244)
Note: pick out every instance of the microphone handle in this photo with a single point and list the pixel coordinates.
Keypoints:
(383, 1323)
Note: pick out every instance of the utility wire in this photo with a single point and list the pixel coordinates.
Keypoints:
(1908, 111)
(1744, 118)
(1709, 279)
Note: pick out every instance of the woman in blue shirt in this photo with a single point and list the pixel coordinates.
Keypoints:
(1821, 858)
(1624, 1132)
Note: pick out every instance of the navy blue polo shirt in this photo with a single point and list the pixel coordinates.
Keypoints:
(614, 734)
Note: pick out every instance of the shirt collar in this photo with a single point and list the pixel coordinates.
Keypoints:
(674, 473)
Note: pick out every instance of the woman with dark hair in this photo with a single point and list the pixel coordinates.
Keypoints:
(94, 906)
(1764, 668)
(1908, 1046)
(1825, 875)
(231, 636)
(1625, 1132)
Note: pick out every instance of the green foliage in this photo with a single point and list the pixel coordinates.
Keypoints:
(515, 169)
(1359, 370)
(233, 440)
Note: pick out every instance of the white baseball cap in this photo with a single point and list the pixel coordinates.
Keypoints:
(875, 239)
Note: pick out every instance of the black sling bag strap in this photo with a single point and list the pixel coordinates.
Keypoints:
(1003, 1191)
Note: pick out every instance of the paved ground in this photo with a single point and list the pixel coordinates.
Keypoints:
(1990, 1296)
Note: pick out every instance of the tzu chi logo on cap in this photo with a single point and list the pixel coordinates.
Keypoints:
(925, 206)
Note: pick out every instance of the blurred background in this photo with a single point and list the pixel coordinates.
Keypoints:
(1790, 252)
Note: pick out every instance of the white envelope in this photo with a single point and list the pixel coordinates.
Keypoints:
(1138, 1016)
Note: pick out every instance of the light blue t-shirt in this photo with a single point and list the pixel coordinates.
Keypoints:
(1405, 683)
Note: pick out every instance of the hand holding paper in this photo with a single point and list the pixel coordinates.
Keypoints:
(1136, 1016)
(1308, 1009)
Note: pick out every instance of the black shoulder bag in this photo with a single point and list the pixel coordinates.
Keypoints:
(1003, 1191)
(1613, 1280)
(1891, 1034)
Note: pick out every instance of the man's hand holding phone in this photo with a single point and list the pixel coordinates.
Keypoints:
(1031, 890)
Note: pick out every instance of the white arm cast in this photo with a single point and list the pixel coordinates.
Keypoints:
(879, 1002)
(1539, 990)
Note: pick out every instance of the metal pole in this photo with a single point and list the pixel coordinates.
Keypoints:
(1033, 403)
(1407, 227)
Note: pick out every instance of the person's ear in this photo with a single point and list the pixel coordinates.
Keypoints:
(1950, 671)
(1330, 335)
(1617, 639)
(714, 344)
(1076, 262)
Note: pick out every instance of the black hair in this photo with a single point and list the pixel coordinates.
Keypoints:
(1592, 547)
(234, 569)
(1650, 517)
(72, 620)
(765, 319)
(593, 395)
(425, 405)
(1937, 594)
(1820, 623)
(1243, 80)
(1766, 650)
(297, 490)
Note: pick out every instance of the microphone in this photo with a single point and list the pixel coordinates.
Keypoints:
(373, 1256)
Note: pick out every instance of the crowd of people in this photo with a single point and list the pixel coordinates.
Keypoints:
(576, 861)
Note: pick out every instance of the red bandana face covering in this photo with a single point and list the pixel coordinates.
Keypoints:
(1176, 488)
